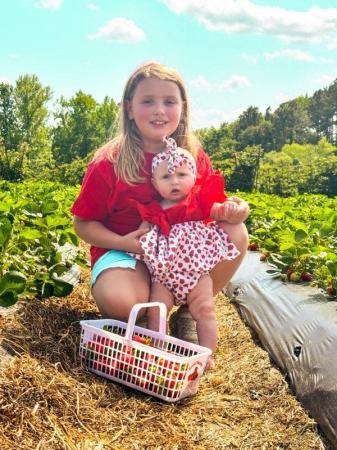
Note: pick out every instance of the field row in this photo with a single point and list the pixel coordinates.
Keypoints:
(297, 235)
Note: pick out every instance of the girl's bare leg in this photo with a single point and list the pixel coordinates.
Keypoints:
(159, 293)
(201, 306)
(117, 290)
(224, 271)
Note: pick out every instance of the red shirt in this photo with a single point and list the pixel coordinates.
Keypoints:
(105, 199)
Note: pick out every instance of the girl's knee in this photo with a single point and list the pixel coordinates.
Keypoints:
(115, 306)
(115, 297)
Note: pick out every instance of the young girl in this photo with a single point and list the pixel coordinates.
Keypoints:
(154, 105)
(180, 257)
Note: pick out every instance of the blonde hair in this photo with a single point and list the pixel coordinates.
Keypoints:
(125, 151)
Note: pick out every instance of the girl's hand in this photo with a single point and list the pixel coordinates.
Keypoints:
(130, 242)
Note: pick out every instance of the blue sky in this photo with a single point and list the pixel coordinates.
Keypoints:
(231, 53)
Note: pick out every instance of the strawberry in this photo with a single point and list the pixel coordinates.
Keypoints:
(295, 276)
(193, 376)
(142, 339)
(264, 256)
(331, 291)
(253, 246)
(112, 368)
(306, 276)
(289, 272)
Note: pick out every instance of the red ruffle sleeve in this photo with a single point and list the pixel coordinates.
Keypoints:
(196, 206)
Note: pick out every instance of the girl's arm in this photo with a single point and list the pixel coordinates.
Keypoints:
(95, 233)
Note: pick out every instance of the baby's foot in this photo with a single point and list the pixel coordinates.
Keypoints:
(210, 364)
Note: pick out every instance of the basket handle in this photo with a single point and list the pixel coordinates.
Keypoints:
(133, 316)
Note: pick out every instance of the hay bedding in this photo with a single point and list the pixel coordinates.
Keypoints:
(48, 401)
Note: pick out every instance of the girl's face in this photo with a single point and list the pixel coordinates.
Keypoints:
(156, 107)
(173, 186)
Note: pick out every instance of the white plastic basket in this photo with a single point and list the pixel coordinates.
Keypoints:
(164, 366)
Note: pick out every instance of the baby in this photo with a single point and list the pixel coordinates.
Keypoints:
(183, 244)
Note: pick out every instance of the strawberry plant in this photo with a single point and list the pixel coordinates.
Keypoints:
(35, 222)
(297, 236)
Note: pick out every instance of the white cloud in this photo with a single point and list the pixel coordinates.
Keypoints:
(332, 45)
(202, 118)
(327, 60)
(234, 16)
(92, 6)
(249, 58)
(235, 81)
(120, 29)
(281, 97)
(6, 80)
(298, 55)
(50, 4)
(325, 79)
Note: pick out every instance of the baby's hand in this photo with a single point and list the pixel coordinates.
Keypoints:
(234, 210)
(223, 211)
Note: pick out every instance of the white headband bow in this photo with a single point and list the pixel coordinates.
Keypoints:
(174, 158)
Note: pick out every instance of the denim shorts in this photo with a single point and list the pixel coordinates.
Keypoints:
(112, 259)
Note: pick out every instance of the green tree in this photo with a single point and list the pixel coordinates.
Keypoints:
(31, 110)
(291, 123)
(9, 125)
(297, 169)
(279, 174)
(24, 133)
(82, 125)
(260, 134)
(246, 169)
(323, 112)
(215, 140)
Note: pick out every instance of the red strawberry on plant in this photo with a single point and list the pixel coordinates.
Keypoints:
(264, 256)
(295, 276)
(306, 276)
(253, 247)
(331, 291)
(289, 272)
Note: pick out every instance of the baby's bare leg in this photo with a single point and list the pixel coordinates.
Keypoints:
(159, 293)
(201, 306)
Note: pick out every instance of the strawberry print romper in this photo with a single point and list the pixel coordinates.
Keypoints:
(183, 244)
(190, 250)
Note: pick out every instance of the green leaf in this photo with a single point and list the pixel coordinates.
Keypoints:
(47, 290)
(30, 234)
(332, 266)
(5, 231)
(62, 288)
(58, 269)
(49, 206)
(300, 234)
(9, 298)
(12, 281)
(57, 221)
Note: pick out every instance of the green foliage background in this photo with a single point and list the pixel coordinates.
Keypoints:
(286, 152)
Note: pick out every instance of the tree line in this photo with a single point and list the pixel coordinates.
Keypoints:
(288, 151)
(38, 143)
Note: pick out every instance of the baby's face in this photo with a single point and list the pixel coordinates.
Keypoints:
(173, 186)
